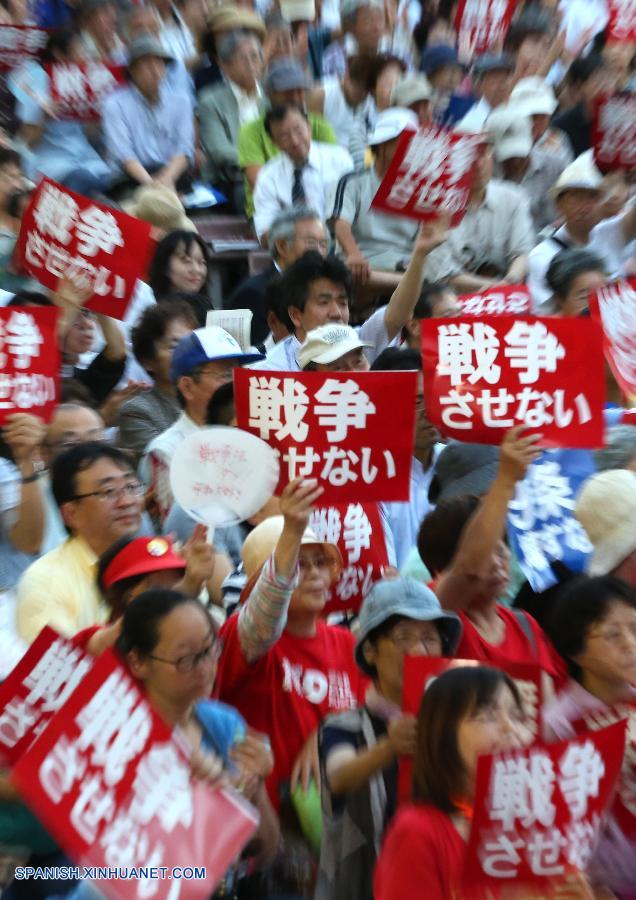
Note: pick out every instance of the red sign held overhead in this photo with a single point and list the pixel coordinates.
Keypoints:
(66, 235)
(614, 132)
(19, 43)
(482, 25)
(621, 28)
(357, 530)
(78, 89)
(109, 781)
(430, 176)
(29, 361)
(483, 376)
(614, 308)
(353, 432)
(40, 684)
(538, 812)
(507, 300)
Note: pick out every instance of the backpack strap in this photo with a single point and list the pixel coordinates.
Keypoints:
(522, 618)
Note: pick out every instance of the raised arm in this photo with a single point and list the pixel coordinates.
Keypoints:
(472, 562)
(24, 434)
(402, 303)
(264, 615)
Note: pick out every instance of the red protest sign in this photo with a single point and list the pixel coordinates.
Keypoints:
(614, 132)
(421, 671)
(614, 307)
(40, 684)
(66, 235)
(483, 376)
(481, 25)
(538, 811)
(29, 361)
(333, 426)
(78, 89)
(507, 300)
(113, 786)
(357, 530)
(621, 27)
(624, 806)
(431, 174)
(19, 43)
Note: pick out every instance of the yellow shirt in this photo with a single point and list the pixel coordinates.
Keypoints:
(60, 590)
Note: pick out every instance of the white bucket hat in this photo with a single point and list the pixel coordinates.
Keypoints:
(510, 132)
(534, 97)
(328, 343)
(606, 508)
(391, 123)
(581, 174)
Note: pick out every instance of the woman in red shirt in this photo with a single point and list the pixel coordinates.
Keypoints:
(465, 713)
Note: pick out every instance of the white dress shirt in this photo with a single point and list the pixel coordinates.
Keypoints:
(326, 164)
(475, 118)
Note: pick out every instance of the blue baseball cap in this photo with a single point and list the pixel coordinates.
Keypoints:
(411, 599)
(206, 345)
(437, 56)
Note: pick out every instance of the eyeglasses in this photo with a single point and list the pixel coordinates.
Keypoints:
(408, 640)
(190, 661)
(113, 494)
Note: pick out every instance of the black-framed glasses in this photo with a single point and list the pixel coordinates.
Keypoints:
(112, 494)
(189, 662)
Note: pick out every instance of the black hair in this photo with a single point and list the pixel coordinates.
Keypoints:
(395, 360)
(158, 273)
(79, 458)
(441, 529)
(15, 199)
(58, 45)
(377, 66)
(200, 304)
(439, 772)
(152, 326)
(221, 406)
(566, 266)
(277, 113)
(292, 287)
(9, 155)
(533, 21)
(142, 617)
(423, 309)
(581, 605)
(583, 67)
(30, 298)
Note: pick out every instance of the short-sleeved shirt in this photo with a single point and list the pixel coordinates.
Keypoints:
(492, 234)
(517, 645)
(289, 691)
(385, 241)
(255, 146)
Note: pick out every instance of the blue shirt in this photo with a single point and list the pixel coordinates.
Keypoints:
(152, 134)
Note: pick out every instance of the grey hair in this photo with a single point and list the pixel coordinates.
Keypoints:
(283, 228)
(567, 265)
(620, 448)
(230, 43)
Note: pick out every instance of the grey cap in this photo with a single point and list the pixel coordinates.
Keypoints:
(147, 45)
(489, 62)
(411, 599)
(463, 469)
(348, 7)
(286, 74)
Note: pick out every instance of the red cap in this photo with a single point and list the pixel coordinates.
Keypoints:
(141, 557)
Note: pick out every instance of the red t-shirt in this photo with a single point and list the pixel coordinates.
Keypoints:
(289, 691)
(516, 645)
(422, 857)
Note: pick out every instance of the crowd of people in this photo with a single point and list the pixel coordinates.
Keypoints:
(291, 111)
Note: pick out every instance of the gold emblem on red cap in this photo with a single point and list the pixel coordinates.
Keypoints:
(157, 547)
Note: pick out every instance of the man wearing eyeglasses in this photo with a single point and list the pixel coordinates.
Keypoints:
(100, 501)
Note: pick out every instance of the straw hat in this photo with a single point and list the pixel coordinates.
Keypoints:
(261, 542)
(606, 508)
(161, 207)
(235, 18)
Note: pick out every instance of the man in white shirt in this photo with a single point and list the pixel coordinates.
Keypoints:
(492, 78)
(315, 291)
(201, 362)
(578, 195)
(306, 172)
